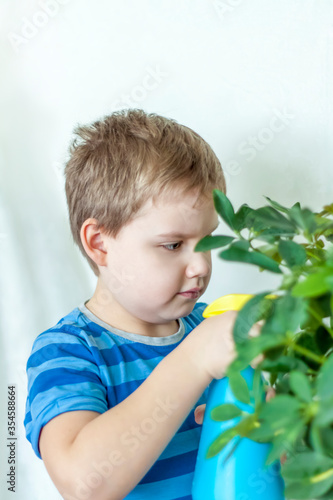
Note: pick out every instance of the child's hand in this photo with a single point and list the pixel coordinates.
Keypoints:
(214, 347)
(199, 413)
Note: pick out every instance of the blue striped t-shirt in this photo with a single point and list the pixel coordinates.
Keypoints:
(82, 363)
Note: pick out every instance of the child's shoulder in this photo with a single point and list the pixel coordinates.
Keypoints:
(74, 328)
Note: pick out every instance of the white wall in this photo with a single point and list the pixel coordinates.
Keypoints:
(225, 68)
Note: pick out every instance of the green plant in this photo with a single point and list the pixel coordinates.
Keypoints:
(296, 339)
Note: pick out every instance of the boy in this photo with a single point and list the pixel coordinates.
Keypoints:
(113, 386)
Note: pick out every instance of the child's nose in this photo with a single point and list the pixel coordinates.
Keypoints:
(199, 265)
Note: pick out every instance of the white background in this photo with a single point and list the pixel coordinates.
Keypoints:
(223, 68)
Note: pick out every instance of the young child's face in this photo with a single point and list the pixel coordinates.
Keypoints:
(153, 273)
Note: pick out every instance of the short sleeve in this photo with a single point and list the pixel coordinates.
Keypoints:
(63, 376)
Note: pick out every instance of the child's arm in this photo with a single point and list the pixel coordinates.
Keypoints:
(109, 451)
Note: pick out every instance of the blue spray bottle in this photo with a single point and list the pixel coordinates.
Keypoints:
(239, 474)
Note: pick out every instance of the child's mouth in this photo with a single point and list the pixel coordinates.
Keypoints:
(191, 294)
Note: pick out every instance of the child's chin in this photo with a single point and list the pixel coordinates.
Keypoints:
(188, 309)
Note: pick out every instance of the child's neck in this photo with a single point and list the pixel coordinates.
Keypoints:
(103, 305)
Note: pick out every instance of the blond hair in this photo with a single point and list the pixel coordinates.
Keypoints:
(119, 162)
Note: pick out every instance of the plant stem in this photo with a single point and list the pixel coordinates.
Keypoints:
(308, 354)
(319, 319)
(322, 476)
(312, 255)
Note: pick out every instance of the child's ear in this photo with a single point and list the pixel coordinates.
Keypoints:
(93, 242)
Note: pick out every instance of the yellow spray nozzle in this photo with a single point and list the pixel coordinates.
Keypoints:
(232, 302)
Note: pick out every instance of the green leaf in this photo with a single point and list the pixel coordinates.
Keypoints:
(277, 205)
(293, 253)
(308, 475)
(268, 238)
(283, 364)
(324, 224)
(262, 433)
(285, 440)
(236, 254)
(306, 465)
(288, 281)
(324, 379)
(269, 250)
(329, 281)
(210, 242)
(221, 441)
(225, 412)
(246, 425)
(243, 429)
(303, 218)
(241, 216)
(315, 255)
(322, 305)
(239, 364)
(268, 217)
(280, 411)
(257, 308)
(315, 438)
(313, 285)
(264, 262)
(251, 348)
(258, 390)
(316, 306)
(276, 352)
(323, 340)
(224, 207)
(308, 341)
(239, 387)
(327, 438)
(271, 234)
(329, 256)
(287, 315)
(282, 416)
(324, 417)
(304, 490)
(241, 244)
(329, 208)
(300, 386)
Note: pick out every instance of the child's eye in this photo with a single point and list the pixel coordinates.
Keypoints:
(172, 246)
